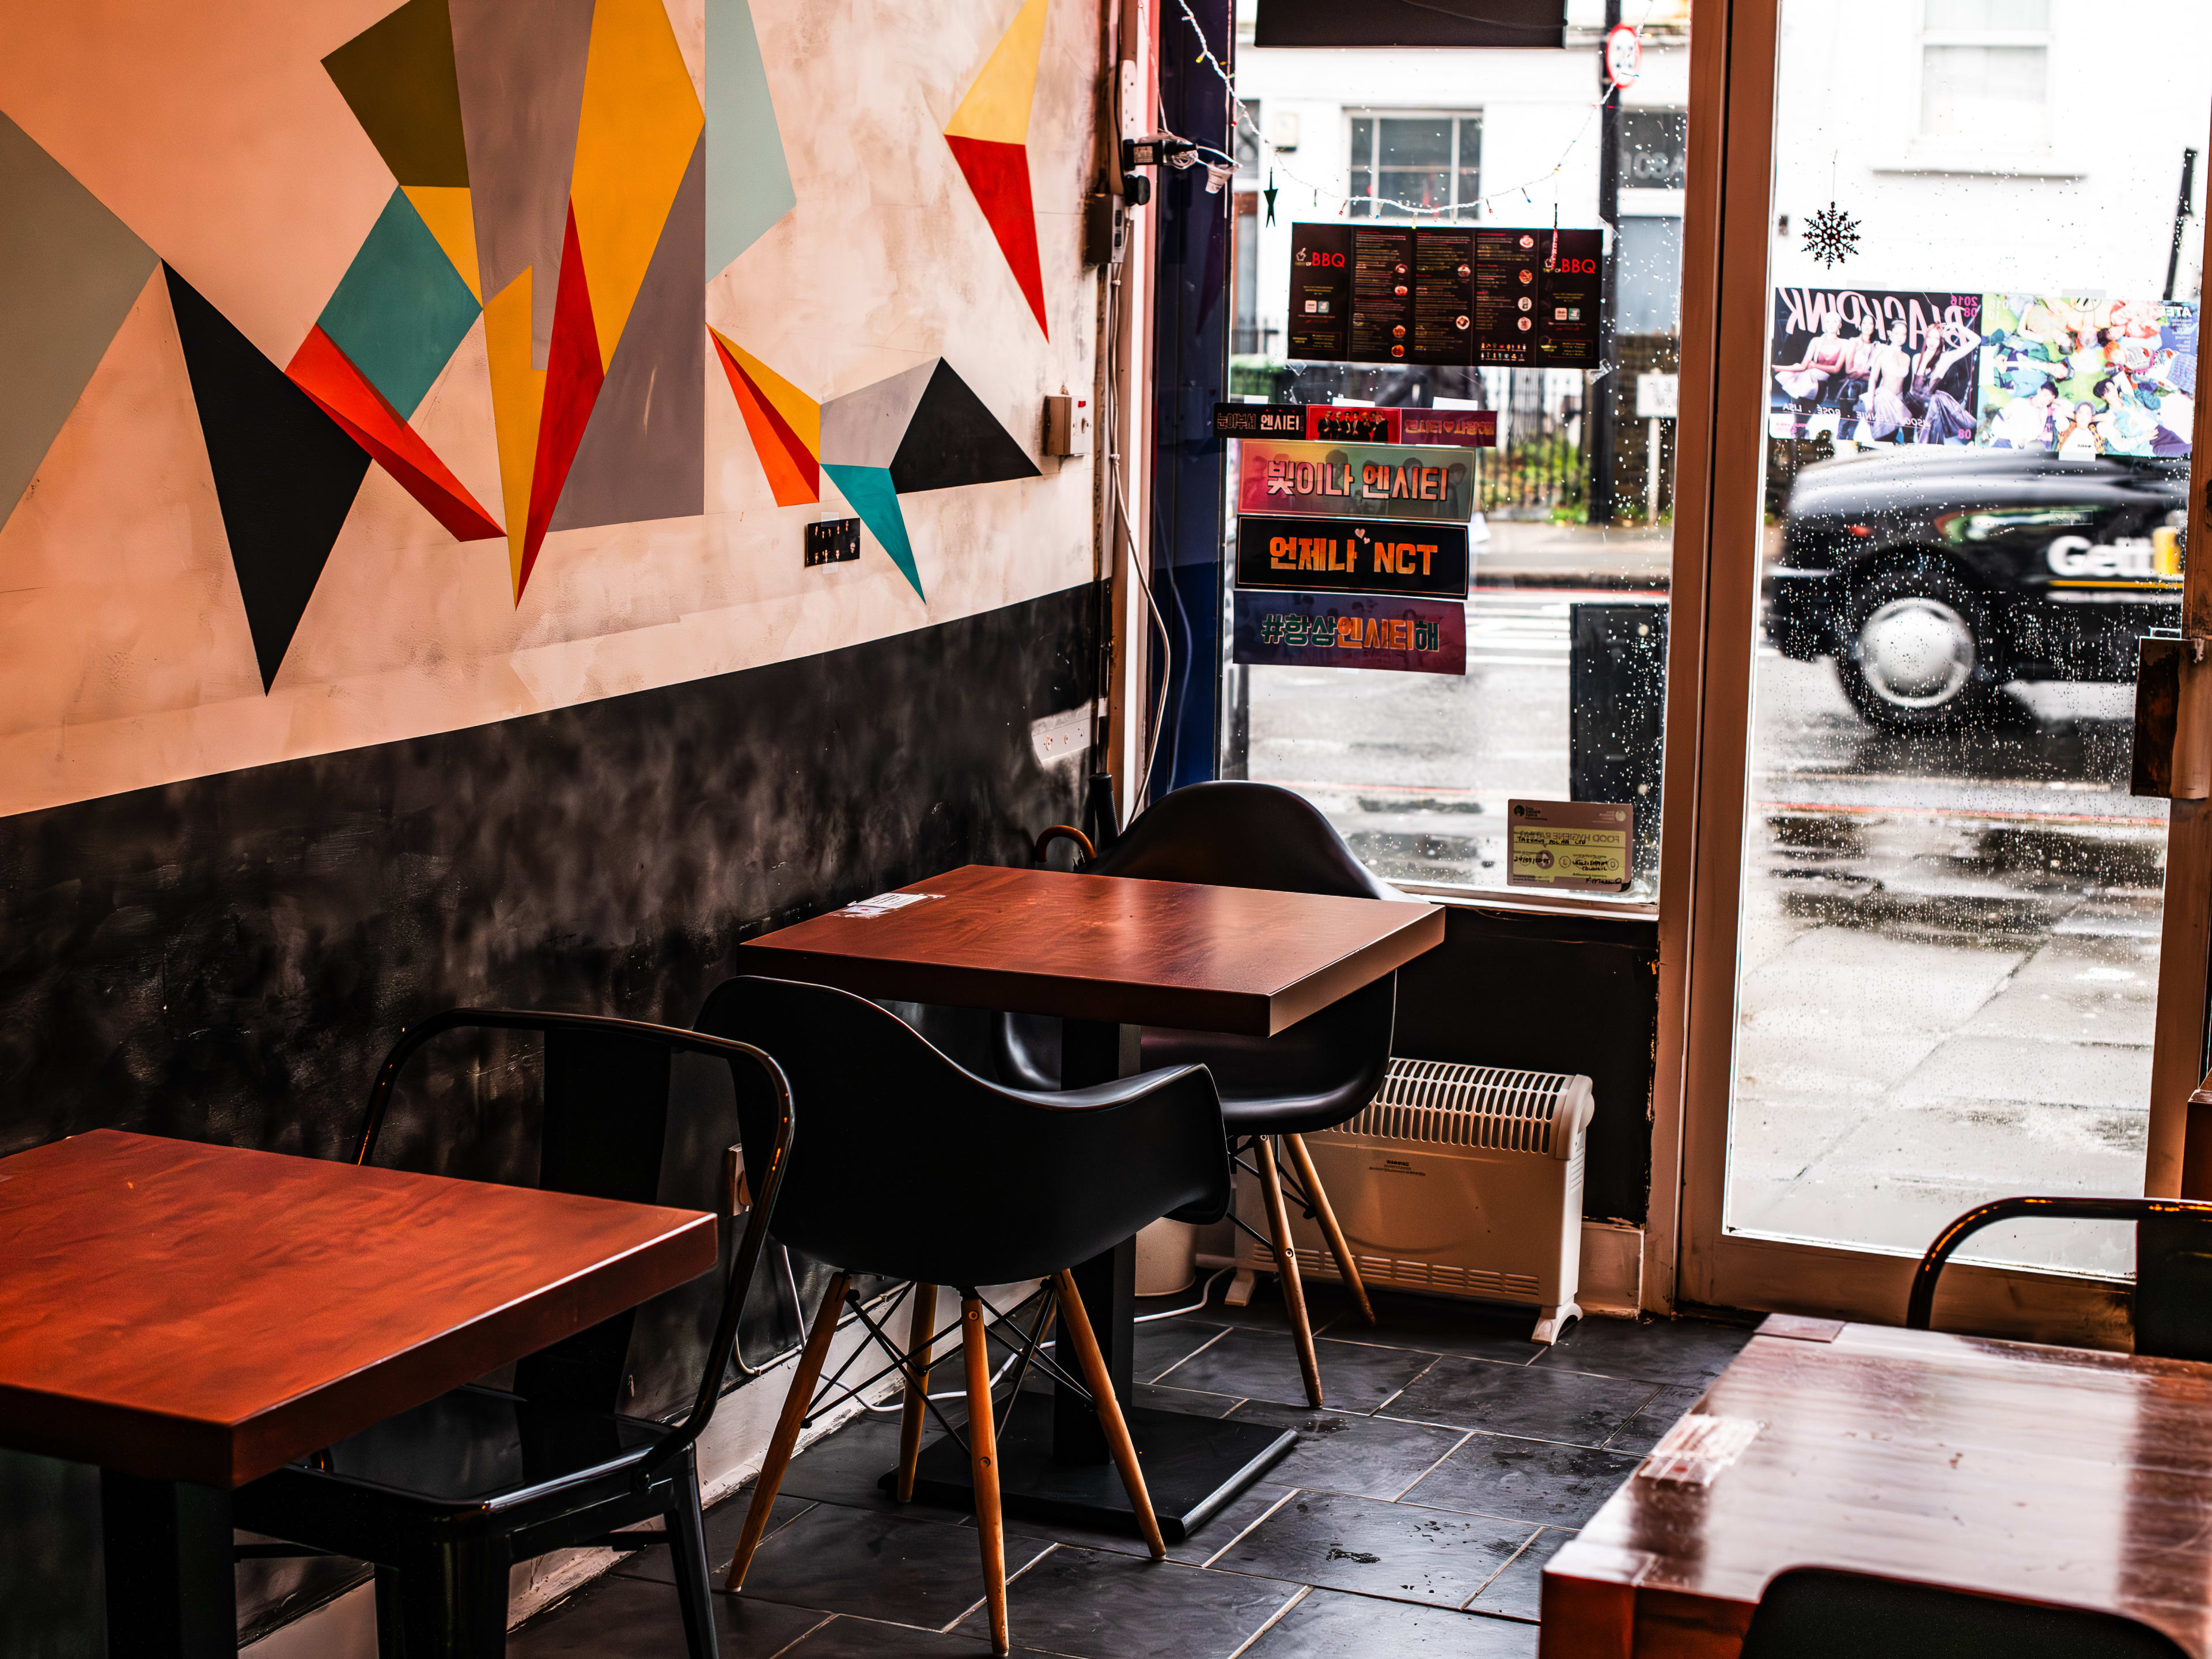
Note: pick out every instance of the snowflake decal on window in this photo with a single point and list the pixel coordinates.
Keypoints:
(1832, 236)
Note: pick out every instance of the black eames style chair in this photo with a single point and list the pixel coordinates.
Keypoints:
(444, 1498)
(924, 1172)
(1312, 1077)
(1821, 1612)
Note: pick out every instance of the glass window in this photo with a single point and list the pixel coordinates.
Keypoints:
(1654, 149)
(1425, 167)
(1985, 71)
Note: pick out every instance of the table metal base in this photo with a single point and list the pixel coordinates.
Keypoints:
(1194, 1466)
(171, 1589)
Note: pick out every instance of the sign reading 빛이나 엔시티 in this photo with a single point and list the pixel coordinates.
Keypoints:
(1350, 631)
(1579, 845)
(1355, 480)
(1352, 555)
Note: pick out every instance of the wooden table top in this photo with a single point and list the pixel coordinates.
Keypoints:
(1169, 953)
(189, 1312)
(2059, 1475)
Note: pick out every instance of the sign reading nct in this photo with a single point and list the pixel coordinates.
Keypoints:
(1344, 630)
(1350, 557)
(1445, 293)
(1355, 480)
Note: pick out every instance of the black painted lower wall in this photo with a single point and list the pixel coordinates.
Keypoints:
(1540, 992)
(229, 959)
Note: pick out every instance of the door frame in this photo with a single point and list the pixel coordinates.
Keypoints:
(1689, 1259)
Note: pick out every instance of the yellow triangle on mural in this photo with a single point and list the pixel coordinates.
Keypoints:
(801, 412)
(997, 107)
(518, 395)
(451, 219)
(634, 135)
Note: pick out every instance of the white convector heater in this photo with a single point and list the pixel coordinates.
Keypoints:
(1455, 1179)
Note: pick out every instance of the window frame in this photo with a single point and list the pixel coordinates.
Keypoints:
(1372, 165)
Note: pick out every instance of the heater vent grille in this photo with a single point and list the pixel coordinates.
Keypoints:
(1444, 1104)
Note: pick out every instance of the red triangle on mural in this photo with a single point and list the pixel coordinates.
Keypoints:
(342, 392)
(573, 375)
(999, 174)
(794, 476)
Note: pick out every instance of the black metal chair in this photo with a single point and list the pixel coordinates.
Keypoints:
(1821, 1612)
(2174, 1264)
(926, 1172)
(1321, 1071)
(445, 1499)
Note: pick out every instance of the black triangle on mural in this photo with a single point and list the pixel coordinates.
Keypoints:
(953, 439)
(285, 473)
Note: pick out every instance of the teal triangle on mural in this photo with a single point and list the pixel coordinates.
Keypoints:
(748, 179)
(401, 308)
(869, 489)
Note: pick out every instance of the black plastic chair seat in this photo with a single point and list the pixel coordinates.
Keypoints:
(1823, 1613)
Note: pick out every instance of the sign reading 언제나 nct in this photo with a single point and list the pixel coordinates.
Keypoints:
(1351, 556)
(1355, 481)
(1350, 631)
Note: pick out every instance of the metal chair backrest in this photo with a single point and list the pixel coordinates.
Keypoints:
(606, 1099)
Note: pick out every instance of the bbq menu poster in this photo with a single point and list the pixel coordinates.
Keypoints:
(1445, 293)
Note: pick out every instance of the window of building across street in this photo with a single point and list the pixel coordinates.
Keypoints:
(1402, 164)
(1985, 71)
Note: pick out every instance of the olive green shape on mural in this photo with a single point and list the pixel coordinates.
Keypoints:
(398, 77)
(401, 307)
(70, 271)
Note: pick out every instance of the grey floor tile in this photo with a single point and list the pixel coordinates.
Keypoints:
(1537, 1480)
(1516, 1593)
(843, 1467)
(1328, 1624)
(1392, 1550)
(1207, 1541)
(1657, 1414)
(1162, 1398)
(1264, 1365)
(846, 1637)
(1541, 1402)
(1684, 1352)
(614, 1618)
(1093, 1604)
(1341, 1451)
(1168, 1342)
(1440, 1324)
(724, 1523)
(1326, 1302)
(877, 1567)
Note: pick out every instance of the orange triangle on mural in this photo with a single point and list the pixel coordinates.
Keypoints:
(989, 136)
(794, 475)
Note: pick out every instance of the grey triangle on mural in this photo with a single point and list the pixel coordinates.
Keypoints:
(953, 439)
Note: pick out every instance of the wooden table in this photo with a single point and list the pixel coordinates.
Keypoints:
(1108, 956)
(190, 1317)
(2052, 1474)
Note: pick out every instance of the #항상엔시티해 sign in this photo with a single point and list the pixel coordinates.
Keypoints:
(1350, 631)
(1355, 480)
(1350, 555)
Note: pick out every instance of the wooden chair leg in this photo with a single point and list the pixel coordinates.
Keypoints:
(785, 1438)
(1075, 1320)
(983, 1459)
(1338, 1245)
(920, 1325)
(1286, 1265)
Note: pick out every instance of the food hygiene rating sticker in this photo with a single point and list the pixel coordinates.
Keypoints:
(1574, 844)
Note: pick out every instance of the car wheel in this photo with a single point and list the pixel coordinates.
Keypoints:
(1915, 653)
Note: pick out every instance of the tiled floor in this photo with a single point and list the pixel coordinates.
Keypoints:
(1413, 1516)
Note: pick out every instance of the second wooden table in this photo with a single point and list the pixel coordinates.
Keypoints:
(1108, 956)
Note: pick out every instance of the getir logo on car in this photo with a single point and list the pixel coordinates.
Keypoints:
(2155, 557)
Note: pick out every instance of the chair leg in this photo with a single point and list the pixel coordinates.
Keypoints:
(687, 1555)
(1075, 1320)
(453, 1602)
(785, 1438)
(983, 1459)
(921, 1324)
(1286, 1265)
(1338, 1245)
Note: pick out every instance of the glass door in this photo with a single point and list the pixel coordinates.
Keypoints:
(1954, 383)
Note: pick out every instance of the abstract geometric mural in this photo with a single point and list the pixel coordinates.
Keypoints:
(921, 429)
(749, 179)
(989, 135)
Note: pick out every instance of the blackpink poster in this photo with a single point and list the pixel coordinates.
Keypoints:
(1874, 365)
(2088, 377)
